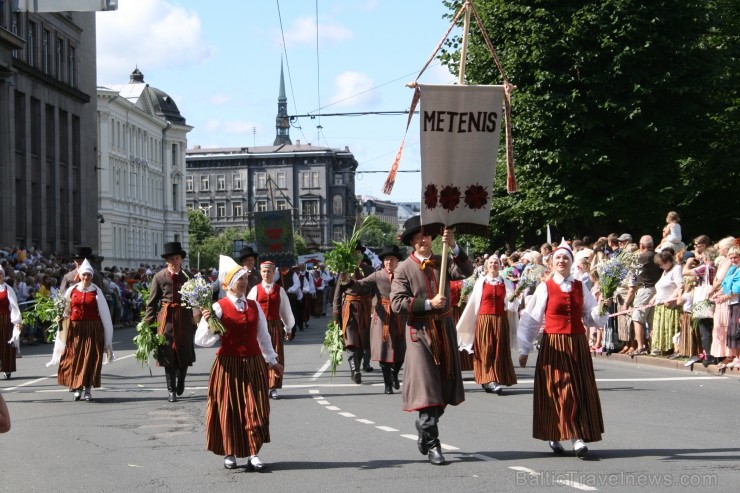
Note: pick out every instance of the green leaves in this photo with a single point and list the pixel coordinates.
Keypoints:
(342, 258)
(334, 345)
(147, 341)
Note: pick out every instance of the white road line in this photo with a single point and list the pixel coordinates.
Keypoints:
(365, 421)
(525, 469)
(313, 391)
(347, 415)
(321, 371)
(25, 384)
(386, 428)
(333, 408)
(323, 403)
(448, 447)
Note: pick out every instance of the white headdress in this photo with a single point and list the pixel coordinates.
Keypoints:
(85, 268)
(565, 247)
(229, 271)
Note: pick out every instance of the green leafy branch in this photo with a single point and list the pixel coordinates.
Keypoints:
(334, 345)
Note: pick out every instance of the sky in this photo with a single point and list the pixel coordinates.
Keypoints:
(220, 62)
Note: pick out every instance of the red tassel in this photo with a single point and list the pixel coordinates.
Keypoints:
(391, 180)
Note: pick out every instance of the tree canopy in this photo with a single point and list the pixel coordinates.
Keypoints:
(624, 110)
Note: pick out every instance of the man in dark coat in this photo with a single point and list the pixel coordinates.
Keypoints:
(432, 378)
(72, 277)
(175, 321)
(248, 260)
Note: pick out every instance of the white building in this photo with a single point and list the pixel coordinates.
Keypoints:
(142, 140)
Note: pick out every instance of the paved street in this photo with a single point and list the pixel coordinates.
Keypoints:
(666, 429)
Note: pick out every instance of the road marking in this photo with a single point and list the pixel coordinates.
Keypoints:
(347, 415)
(365, 421)
(333, 408)
(564, 482)
(386, 428)
(323, 403)
(321, 371)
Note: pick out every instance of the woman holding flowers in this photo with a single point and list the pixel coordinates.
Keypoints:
(86, 336)
(175, 320)
(280, 322)
(483, 328)
(238, 409)
(11, 324)
(668, 307)
(566, 400)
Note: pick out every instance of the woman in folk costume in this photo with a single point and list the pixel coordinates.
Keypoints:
(175, 320)
(238, 409)
(432, 378)
(566, 400)
(387, 337)
(280, 322)
(483, 328)
(85, 337)
(11, 324)
(458, 306)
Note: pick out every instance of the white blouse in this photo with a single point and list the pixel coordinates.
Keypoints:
(668, 283)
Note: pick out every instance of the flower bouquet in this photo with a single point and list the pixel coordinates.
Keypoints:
(334, 345)
(197, 293)
(466, 288)
(526, 281)
(611, 274)
(47, 310)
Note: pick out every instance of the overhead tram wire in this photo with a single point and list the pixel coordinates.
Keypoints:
(318, 75)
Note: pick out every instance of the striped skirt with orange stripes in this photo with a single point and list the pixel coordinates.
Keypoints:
(492, 351)
(82, 361)
(238, 409)
(566, 400)
(277, 334)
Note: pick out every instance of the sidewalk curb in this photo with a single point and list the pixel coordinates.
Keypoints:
(666, 363)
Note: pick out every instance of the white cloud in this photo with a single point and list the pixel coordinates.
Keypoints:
(303, 31)
(151, 35)
(354, 89)
(219, 99)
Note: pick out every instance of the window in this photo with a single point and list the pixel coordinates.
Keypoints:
(260, 206)
(188, 183)
(45, 52)
(261, 180)
(236, 209)
(220, 182)
(337, 205)
(281, 180)
(204, 183)
(305, 179)
(31, 44)
(205, 208)
(59, 58)
(16, 19)
(314, 179)
(175, 198)
(310, 208)
(338, 233)
(281, 205)
(338, 179)
(236, 181)
(220, 209)
(72, 67)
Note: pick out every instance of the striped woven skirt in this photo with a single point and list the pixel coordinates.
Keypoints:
(277, 334)
(82, 361)
(492, 351)
(566, 400)
(7, 352)
(238, 408)
(690, 341)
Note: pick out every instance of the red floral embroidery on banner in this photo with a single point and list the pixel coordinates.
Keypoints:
(449, 197)
(430, 196)
(476, 196)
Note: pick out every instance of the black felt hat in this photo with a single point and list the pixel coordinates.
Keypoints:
(82, 252)
(391, 250)
(413, 226)
(173, 248)
(247, 252)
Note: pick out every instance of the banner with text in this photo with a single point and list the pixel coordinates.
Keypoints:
(460, 128)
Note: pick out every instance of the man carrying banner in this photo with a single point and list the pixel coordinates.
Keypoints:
(432, 379)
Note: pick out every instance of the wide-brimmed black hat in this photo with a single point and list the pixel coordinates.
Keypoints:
(173, 248)
(82, 252)
(247, 252)
(391, 250)
(413, 226)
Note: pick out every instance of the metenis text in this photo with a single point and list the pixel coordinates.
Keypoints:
(460, 122)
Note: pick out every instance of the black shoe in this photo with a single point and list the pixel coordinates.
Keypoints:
(396, 383)
(172, 397)
(421, 441)
(180, 387)
(77, 395)
(274, 394)
(7, 375)
(581, 450)
(388, 388)
(557, 447)
(357, 377)
(368, 369)
(229, 462)
(254, 463)
(435, 455)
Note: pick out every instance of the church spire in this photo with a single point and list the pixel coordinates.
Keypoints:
(282, 123)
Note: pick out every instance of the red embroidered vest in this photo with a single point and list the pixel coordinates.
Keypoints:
(240, 338)
(492, 301)
(270, 303)
(84, 306)
(564, 311)
(4, 303)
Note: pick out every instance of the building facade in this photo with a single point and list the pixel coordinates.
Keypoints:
(230, 185)
(384, 210)
(48, 139)
(142, 142)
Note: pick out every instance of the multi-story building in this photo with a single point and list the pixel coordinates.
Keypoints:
(141, 161)
(48, 139)
(316, 183)
(384, 210)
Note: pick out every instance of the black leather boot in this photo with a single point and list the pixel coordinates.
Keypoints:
(171, 377)
(435, 452)
(180, 388)
(421, 442)
(387, 379)
(396, 368)
(354, 369)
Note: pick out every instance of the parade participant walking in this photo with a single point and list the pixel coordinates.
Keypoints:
(85, 337)
(11, 324)
(483, 329)
(238, 408)
(387, 338)
(319, 286)
(291, 282)
(352, 308)
(432, 379)
(81, 254)
(280, 322)
(248, 260)
(175, 321)
(566, 400)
